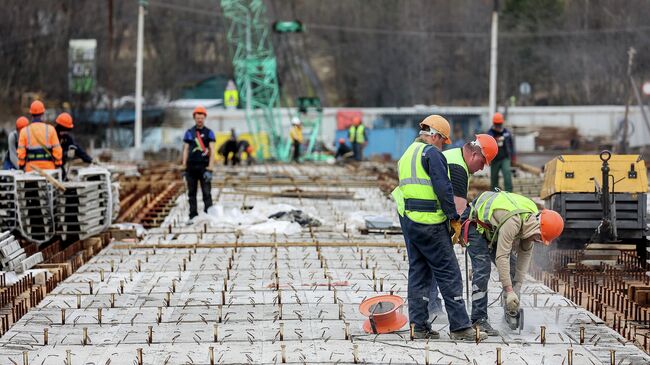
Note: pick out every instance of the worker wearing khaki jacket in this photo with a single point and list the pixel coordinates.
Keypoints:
(496, 225)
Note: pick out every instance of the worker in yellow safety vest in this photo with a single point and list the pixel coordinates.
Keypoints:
(430, 223)
(296, 138)
(358, 136)
(496, 225)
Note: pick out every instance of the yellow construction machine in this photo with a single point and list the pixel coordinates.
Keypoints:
(601, 197)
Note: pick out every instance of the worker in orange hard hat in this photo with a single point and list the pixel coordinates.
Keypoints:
(38, 143)
(343, 153)
(497, 225)
(506, 157)
(358, 136)
(11, 158)
(198, 160)
(431, 223)
(462, 163)
(71, 150)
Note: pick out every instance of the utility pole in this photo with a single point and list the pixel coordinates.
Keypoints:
(137, 133)
(493, 59)
(109, 84)
(630, 60)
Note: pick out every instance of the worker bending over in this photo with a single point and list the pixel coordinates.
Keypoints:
(198, 160)
(71, 150)
(499, 224)
(462, 163)
(11, 158)
(38, 143)
(425, 204)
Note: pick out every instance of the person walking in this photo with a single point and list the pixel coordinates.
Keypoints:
(506, 156)
(430, 224)
(198, 160)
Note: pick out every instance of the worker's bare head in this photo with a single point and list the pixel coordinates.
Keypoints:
(473, 156)
(432, 137)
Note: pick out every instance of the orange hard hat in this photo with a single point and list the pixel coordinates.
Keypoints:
(551, 225)
(356, 120)
(341, 140)
(249, 149)
(200, 110)
(65, 120)
(37, 108)
(488, 146)
(21, 123)
(439, 124)
(497, 118)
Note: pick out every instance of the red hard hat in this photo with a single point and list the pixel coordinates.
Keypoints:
(200, 110)
(497, 118)
(21, 123)
(551, 225)
(341, 140)
(37, 108)
(65, 120)
(489, 147)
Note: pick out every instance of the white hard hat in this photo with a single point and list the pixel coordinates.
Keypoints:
(295, 121)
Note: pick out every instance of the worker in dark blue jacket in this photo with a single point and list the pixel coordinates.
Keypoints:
(71, 150)
(506, 156)
(198, 160)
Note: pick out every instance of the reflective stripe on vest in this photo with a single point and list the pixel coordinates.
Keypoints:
(417, 198)
(356, 134)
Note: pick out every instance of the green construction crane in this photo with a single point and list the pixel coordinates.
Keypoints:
(255, 68)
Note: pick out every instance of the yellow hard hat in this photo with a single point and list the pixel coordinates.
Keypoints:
(438, 124)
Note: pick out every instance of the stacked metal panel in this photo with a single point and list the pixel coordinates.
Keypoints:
(78, 210)
(34, 207)
(86, 207)
(11, 254)
(8, 200)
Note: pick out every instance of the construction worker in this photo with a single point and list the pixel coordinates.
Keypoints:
(38, 143)
(11, 158)
(498, 224)
(343, 152)
(197, 160)
(296, 137)
(71, 150)
(463, 162)
(358, 136)
(229, 149)
(506, 156)
(430, 223)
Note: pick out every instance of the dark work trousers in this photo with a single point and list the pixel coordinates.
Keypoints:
(193, 177)
(431, 254)
(482, 257)
(357, 149)
(296, 151)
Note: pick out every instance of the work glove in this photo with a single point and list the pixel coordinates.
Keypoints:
(207, 176)
(512, 302)
(455, 231)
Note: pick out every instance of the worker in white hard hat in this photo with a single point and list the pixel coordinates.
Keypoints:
(296, 137)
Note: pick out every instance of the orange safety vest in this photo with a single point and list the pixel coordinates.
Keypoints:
(38, 145)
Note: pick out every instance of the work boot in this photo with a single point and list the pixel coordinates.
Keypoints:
(426, 335)
(485, 326)
(468, 334)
